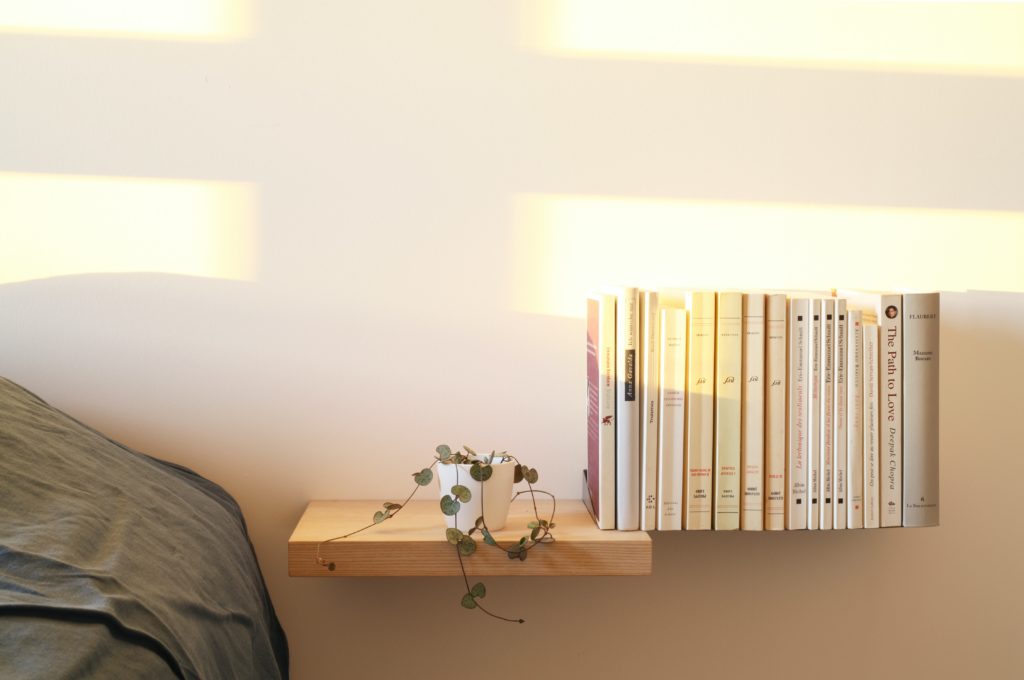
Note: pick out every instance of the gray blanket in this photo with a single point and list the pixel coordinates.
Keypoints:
(114, 564)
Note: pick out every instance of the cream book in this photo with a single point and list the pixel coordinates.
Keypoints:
(797, 401)
(920, 409)
(839, 470)
(872, 423)
(814, 419)
(671, 418)
(627, 411)
(890, 329)
(752, 414)
(650, 319)
(775, 413)
(700, 411)
(826, 437)
(728, 406)
(854, 419)
(601, 408)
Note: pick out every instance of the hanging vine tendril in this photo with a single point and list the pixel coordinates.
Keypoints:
(463, 542)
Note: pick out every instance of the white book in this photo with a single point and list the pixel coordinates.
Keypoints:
(920, 409)
(775, 413)
(872, 423)
(728, 400)
(650, 319)
(752, 414)
(827, 407)
(890, 329)
(601, 408)
(797, 411)
(627, 411)
(814, 419)
(855, 419)
(700, 410)
(671, 418)
(839, 470)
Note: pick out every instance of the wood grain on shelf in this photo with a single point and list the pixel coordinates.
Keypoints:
(413, 544)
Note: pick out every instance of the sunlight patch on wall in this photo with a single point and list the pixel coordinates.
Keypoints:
(212, 20)
(566, 246)
(56, 225)
(916, 35)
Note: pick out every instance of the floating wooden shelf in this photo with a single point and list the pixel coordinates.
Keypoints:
(413, 544)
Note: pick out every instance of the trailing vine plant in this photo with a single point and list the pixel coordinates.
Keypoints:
(463, 542)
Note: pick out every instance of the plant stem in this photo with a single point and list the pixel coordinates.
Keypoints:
(322, 562)
(469, 592)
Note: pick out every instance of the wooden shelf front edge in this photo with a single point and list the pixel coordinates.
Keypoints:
(413, 544)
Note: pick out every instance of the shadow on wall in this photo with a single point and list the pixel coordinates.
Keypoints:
(370, 319)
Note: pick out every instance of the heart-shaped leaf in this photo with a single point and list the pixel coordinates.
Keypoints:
(481, 473)
(522, 555)
(379, 517)
(488, 539)
(530, 475)
(444, 452)
(469, 450)
(467, 546)
(478, 590)
(468, 602)
(535, 533)
(479, 523)
(517, 474)
(424, 476)
(449, 505)
(462, 493)
(453, 536)
(392, 506)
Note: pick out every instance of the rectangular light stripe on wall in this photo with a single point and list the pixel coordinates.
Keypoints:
(564, 246)
(213, 20)
(918, 35)
(57, 225)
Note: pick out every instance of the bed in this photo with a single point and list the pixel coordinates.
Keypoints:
(114, 564)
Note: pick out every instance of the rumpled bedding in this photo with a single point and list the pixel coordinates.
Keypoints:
(114, 564)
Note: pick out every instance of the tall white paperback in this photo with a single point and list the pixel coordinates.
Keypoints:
(872, 422)
(700, 411)
(855, 419)
(752, 414)
(814, 418)
(890, 324)
(601, 408)
(649, 371)
(839, 471)
(671, 411)
(775, 413)
(728, 400)
(921, 410)
(798, 379)
(828, 409)
(627, 411)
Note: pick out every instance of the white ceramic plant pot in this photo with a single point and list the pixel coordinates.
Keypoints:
(496, 494)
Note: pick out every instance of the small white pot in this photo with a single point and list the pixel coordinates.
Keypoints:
(497, 494)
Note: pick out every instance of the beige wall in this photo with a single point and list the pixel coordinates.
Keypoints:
(388, 145)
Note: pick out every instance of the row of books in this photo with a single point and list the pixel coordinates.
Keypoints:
(762, 411)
